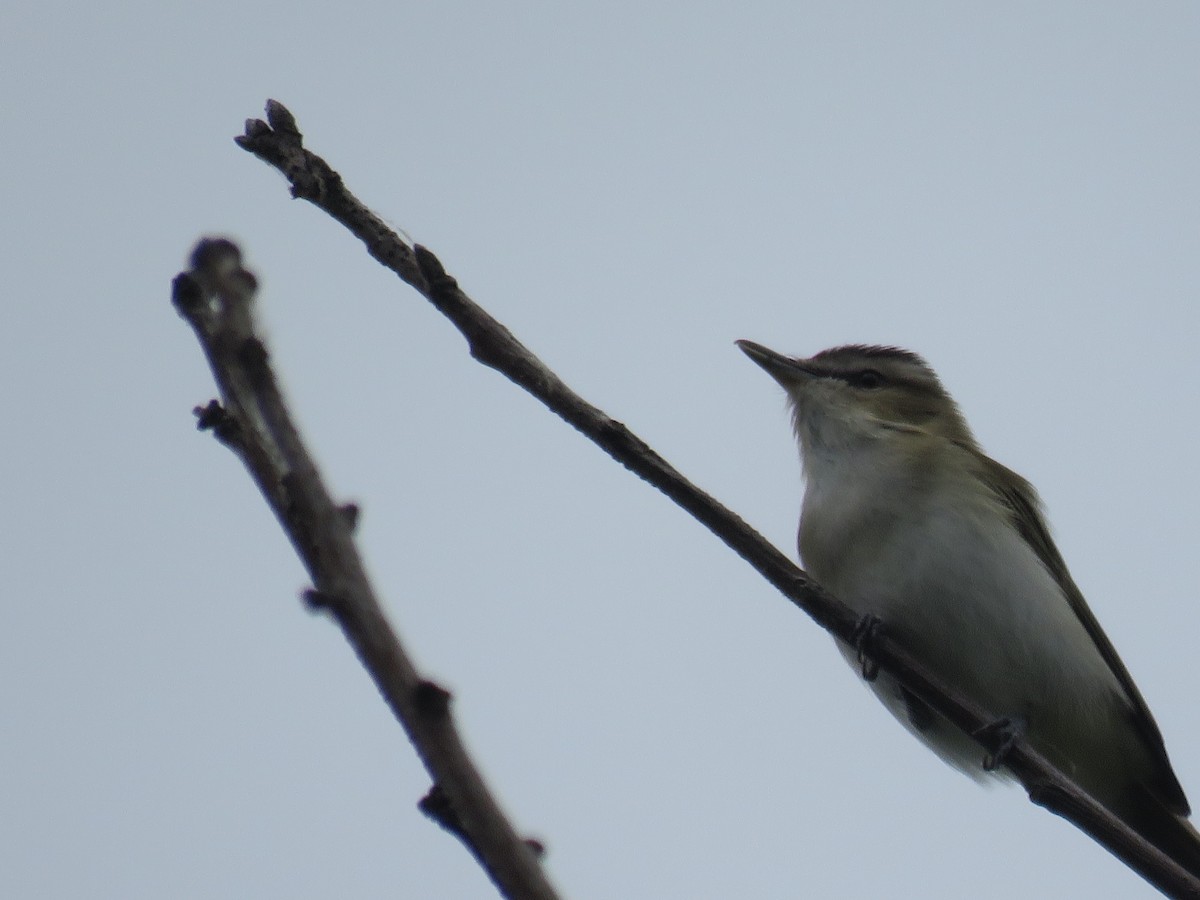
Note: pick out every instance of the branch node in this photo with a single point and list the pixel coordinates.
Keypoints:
(432, 699)
(434, 272)
(216, 418)
(350, 513)
(1045, 794)
(321, 601)
(436, 804)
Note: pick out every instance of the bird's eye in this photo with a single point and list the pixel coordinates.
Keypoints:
(869, 379)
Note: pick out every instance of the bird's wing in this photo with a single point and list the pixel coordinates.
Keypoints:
(1021, 500)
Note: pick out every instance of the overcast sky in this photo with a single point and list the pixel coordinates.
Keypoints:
(1011, 190)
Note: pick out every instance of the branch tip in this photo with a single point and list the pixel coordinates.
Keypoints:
(217, 255)
(282, 120)
(254, 129)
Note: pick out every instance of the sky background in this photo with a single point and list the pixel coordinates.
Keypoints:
(1011, 190)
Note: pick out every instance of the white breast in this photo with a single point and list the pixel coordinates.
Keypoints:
(936, 558)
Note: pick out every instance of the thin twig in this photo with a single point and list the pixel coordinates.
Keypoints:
(215, 298)
(279, 143)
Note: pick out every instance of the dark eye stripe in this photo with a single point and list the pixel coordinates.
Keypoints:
(868, 379)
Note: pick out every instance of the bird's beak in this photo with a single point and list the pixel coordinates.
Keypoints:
(784, 369)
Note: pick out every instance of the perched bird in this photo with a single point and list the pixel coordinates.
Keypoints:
(905, 519)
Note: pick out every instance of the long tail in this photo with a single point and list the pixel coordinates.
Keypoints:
(1173, 834)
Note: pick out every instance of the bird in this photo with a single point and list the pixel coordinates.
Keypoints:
(907, 521)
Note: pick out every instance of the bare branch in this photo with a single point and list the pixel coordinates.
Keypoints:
(215, 298)
(279, 143)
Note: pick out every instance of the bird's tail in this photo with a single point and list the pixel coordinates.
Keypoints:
(1171, 833)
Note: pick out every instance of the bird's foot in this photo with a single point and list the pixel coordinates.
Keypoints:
(865, 632)
(999, 737)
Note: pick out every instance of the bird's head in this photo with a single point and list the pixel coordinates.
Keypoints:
(848, 395)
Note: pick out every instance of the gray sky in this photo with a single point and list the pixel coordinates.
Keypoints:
(1011, 191)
